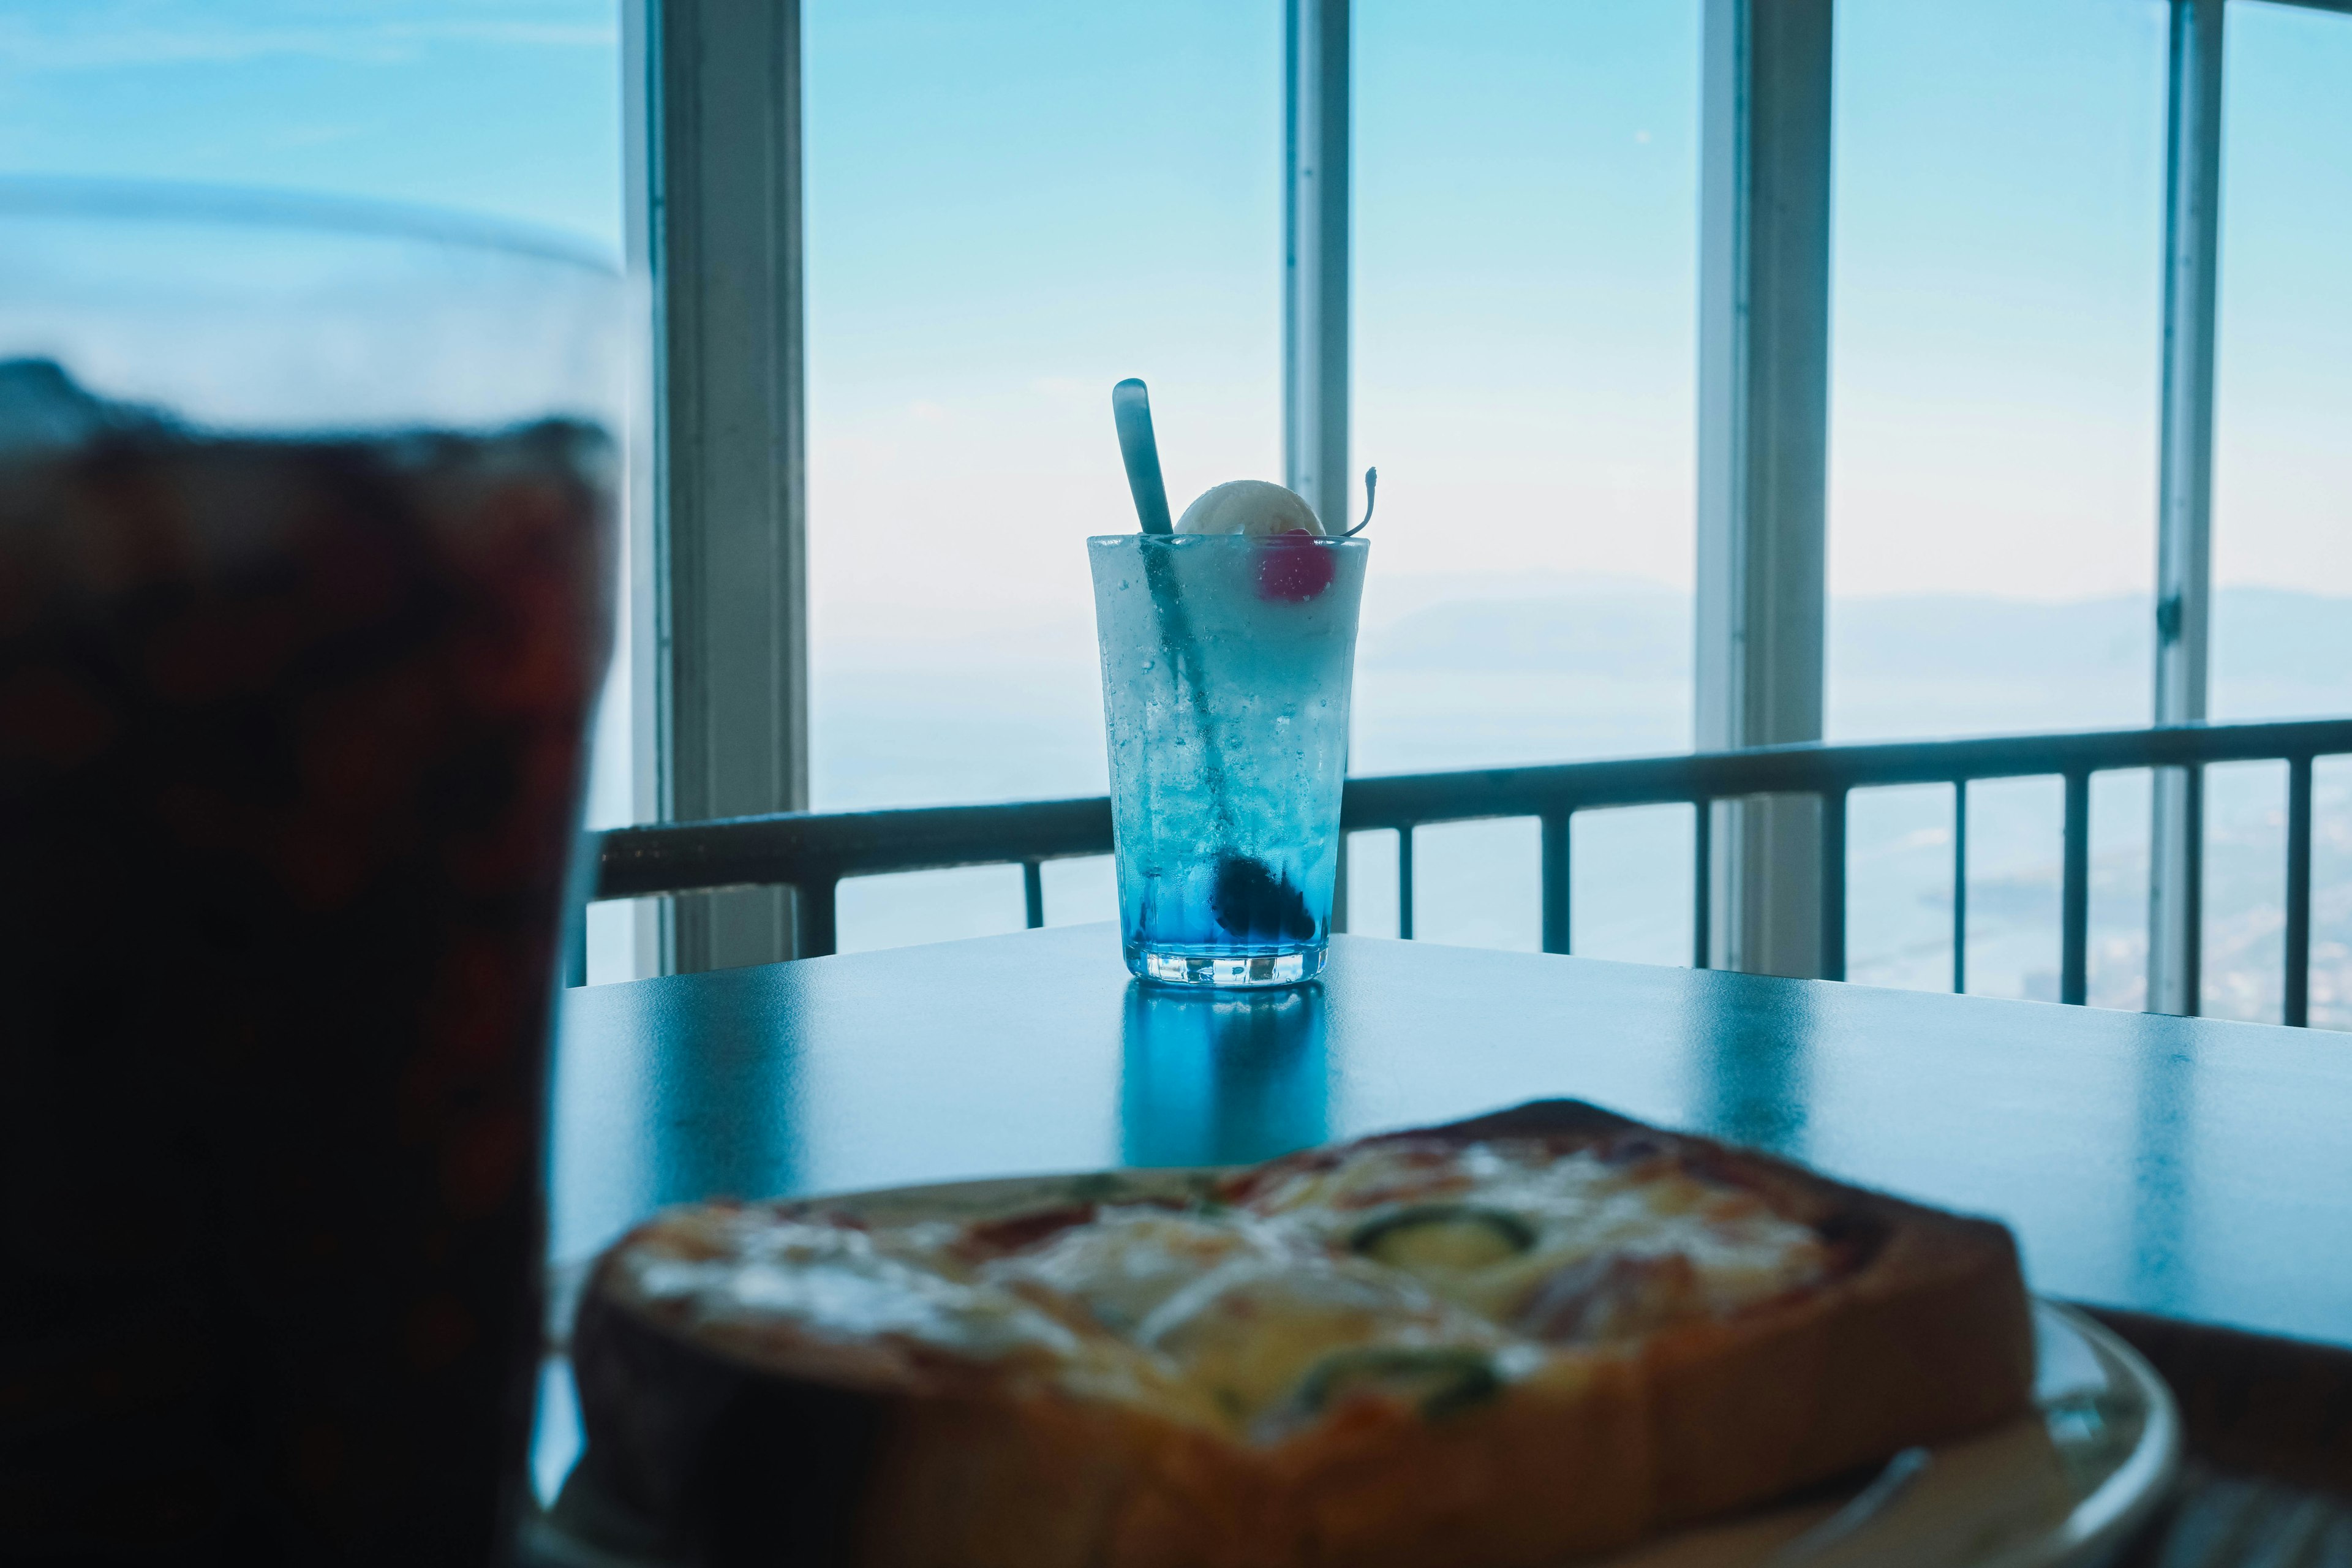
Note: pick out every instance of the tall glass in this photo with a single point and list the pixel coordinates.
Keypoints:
(304, 605)
(1226, 666)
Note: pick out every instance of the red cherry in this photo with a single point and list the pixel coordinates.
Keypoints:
(1289, 567)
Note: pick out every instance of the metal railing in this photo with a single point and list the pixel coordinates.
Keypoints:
(812, 851)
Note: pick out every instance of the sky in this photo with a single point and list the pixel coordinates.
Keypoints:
(1998, 224)
(2282, 435)
(1010, 205)
(1526, 179)
(506, 108)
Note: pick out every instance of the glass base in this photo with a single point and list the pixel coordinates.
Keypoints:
(1223, 968)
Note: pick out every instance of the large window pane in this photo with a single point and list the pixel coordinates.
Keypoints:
(1998, 244)
(2281, 636)
(1526, 243)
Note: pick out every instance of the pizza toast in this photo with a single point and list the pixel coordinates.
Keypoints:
(1500, 1343)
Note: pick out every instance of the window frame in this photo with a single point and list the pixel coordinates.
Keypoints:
(719, 542)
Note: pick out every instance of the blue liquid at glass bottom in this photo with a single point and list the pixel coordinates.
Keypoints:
(1226, 666)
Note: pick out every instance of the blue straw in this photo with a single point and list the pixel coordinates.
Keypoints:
(1130, 410)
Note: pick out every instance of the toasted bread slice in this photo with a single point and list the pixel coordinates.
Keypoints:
(1498, 1343)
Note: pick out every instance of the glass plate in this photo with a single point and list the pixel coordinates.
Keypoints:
(2067, 1485)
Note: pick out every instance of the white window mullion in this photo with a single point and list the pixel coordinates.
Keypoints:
(2185, 491)
(723, 585)
(1315, 260)
(1764, 245)
(1315, 306)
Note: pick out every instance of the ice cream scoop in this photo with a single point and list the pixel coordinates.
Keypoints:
(1248, 506)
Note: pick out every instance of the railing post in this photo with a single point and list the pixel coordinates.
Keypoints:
(1702, 881)
(1959, 887)
(2075, 894)
(2184, 487)
(1556, 826)
(1832, 879)
(575, 944)
(819, 909)
(1404, 882)
(1033, 893)
(2296, 1011)
(1763, 402)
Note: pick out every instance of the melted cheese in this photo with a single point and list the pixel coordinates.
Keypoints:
(832, 1281)
(1125, 1264)
(1579, 1208)
(1249, 1319)
(1248, 1333)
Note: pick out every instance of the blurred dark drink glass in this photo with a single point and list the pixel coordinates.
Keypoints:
(304, 604)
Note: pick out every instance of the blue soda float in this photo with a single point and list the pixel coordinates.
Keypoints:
(1228, 645)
